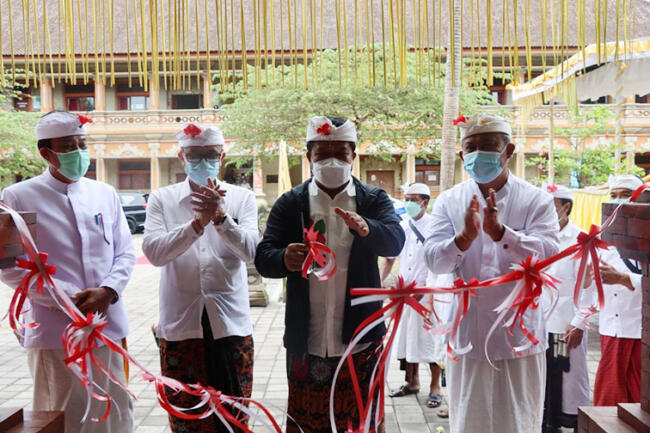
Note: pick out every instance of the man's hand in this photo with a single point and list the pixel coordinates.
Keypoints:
(472, 225)
(612, 276)
(207, 203)
(294, 256)
(491, 225)
(94, 299)
(354, 221)
(573, 337)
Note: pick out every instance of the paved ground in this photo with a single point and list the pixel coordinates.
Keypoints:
(405, 415)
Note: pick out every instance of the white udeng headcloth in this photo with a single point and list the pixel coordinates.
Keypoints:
(482, 124)
(321, 128)
(61, 124)
(194, 134)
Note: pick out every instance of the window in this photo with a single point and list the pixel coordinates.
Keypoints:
(80, 97)
(186, 102)
(132, 98)
(134, 174)
(427, 171)
(27, 100)
(645, 99)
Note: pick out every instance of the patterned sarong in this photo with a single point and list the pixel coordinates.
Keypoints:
(310, 379)
(225, 364)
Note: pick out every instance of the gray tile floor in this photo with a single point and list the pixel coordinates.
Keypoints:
(406, 414)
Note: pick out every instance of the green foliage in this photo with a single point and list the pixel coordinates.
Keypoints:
(390, 117)
(588, 166)
(18, 152)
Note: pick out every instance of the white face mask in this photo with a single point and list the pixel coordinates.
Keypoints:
(331, 172)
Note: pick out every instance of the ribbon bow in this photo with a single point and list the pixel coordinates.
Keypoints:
(319, 253)
(21, 294)
(398, 297)
(84, 119)
(588, 244)
(459, 119)
(324, 129)
(530, 281)
(192, 130)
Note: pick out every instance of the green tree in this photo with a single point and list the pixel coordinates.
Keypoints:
(19, 157)
(391, 117)
(589, 166)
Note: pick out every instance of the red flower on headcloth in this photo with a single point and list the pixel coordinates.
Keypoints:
(83, 119)
(551, 188)
(192, 130)
(459, 119)
(324, 129)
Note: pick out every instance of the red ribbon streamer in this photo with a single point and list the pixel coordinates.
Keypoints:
(21, 294)
(319, 253)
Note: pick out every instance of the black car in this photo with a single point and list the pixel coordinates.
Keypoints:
(134, 205)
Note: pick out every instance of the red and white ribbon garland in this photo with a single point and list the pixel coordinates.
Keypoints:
(319, 254)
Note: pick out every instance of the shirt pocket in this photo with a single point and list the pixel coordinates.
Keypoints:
(106, 228)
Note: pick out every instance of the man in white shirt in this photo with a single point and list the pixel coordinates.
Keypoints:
(618, 378)
(480, 228)
(202, 232)
(358, 222)
(415, 344)
(83, 229)
(567, 380)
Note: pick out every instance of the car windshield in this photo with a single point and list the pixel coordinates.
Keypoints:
(132, 199)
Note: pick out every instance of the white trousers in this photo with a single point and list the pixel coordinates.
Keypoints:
(483, 399)
(56, 388)
(575, 383)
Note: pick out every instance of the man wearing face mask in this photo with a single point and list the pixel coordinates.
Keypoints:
(83, 229)
(202, 232)
(414, 343)
(567, 382)
(358, 222)
(618, 378)
(480, 228)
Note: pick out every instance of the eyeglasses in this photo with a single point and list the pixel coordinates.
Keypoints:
(196, 157)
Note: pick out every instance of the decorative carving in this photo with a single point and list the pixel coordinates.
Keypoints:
(127, 149)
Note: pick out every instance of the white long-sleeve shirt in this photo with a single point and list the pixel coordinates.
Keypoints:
(201, 271)
(327, 298)
(83, 229)
(622, 314)
(531, 228)
(566, 270)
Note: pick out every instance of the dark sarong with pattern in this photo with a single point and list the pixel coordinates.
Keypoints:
(225, 364)
(310, 380)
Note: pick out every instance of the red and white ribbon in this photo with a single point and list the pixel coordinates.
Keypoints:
(319, 254)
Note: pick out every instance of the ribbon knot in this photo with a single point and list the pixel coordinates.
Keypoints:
(21, 294)
(319, 253)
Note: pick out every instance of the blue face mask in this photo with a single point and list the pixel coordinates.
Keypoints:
(483, 166)
(619, 200)
(412, 209)
(200, 171)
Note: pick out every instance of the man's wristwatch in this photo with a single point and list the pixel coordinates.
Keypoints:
(219, 219)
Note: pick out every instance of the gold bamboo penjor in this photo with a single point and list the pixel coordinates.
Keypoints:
(243, 41)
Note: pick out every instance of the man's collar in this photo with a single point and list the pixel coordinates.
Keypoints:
(350, 189)
(55, 183)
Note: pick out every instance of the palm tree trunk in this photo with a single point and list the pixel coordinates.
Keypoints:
(450, 109)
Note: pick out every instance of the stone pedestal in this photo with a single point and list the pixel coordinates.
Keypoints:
(630, 233)
(256, 293)
(10, 243)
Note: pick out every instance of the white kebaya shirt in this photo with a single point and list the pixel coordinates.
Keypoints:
(201, 271)
(531, 228)
(83, 229)
(327, 298)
